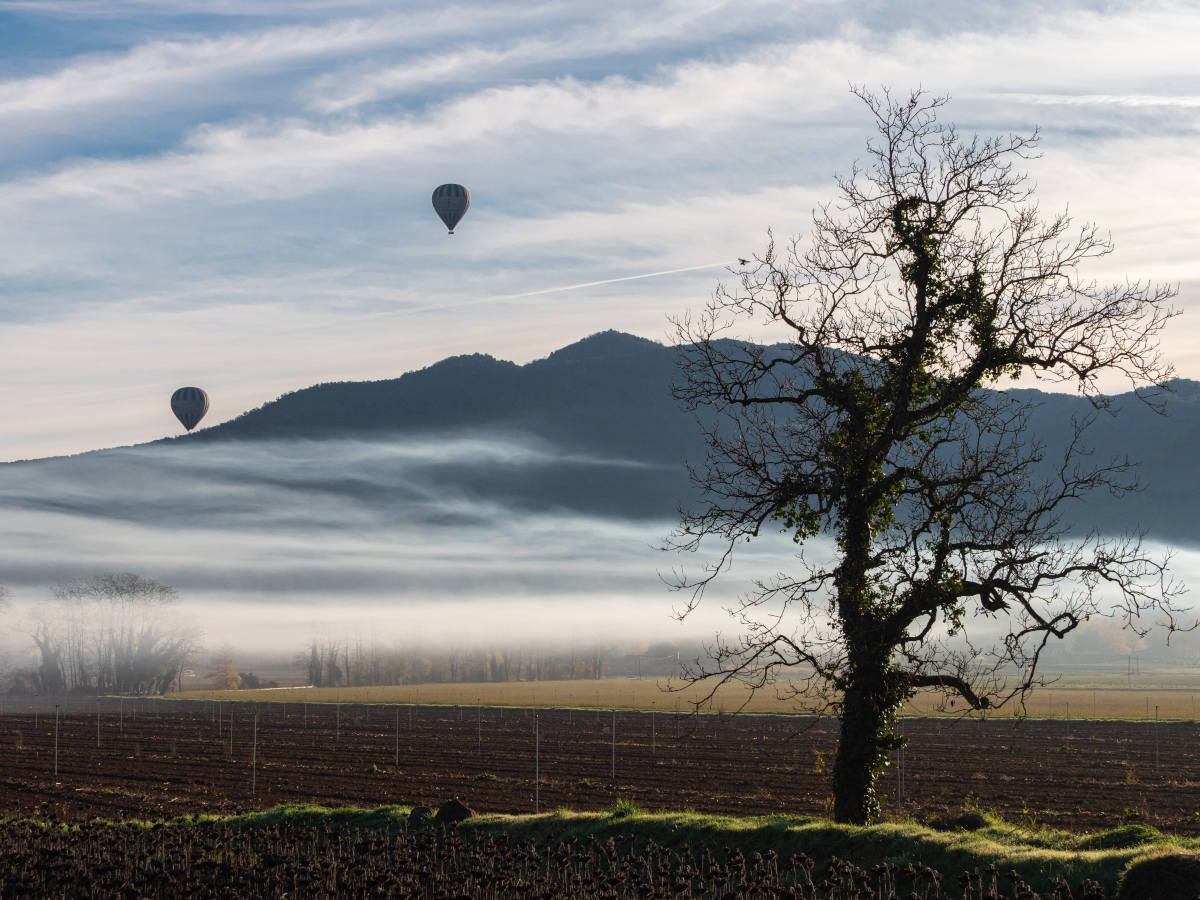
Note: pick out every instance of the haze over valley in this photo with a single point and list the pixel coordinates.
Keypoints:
(470, 500)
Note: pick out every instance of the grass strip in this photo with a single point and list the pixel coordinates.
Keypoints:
(1042, 855)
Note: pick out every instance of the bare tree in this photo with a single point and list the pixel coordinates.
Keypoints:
(878, 425)
(222, 668)
(119, 633)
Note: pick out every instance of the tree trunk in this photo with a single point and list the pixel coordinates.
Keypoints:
(863, 726)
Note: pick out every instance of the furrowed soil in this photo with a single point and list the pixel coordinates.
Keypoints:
(155, 759)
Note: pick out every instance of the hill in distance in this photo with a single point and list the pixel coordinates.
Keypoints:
(617, 441)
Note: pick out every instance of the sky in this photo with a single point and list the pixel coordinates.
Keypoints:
(237, 196)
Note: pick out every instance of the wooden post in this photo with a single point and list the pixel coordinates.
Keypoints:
(254, 757)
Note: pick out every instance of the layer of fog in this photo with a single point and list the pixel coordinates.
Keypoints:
(412, 541)
(269, 542)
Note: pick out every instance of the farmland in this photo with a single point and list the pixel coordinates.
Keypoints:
(1084, 695)
(161, 759)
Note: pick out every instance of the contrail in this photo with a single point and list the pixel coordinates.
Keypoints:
(421, 309)
(571, 287)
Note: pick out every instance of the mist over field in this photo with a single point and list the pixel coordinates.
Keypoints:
(269, 542)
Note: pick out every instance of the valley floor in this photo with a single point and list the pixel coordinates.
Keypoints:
(164, 758)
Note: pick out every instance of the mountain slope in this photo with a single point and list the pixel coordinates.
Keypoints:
(616, 442)
(608, 394)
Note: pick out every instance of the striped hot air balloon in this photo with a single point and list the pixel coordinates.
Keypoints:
(189, 405)
(451, 201)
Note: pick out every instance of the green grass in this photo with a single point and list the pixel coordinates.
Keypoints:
(1041, 854)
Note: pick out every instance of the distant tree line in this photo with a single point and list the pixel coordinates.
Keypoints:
(120, 634)
(362, 662)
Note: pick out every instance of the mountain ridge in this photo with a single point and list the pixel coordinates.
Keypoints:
(607, 398)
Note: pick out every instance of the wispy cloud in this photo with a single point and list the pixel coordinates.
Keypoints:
(1101, 100)
(244, 200)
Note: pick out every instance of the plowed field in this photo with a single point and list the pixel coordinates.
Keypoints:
(154, 759)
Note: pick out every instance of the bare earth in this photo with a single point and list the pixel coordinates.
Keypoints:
(173, 758)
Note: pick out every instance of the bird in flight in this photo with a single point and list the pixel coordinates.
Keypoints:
(743, 262)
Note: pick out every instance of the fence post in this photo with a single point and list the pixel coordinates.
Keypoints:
(614, 745)
(254, 757)
(537, 771)
(56, 742)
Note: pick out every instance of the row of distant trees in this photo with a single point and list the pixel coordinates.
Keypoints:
(109, 634)
(126, 634)
(363, 662)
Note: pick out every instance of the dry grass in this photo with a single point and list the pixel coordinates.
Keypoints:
(1054, 702)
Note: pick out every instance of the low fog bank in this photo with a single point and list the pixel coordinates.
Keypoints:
(269, 542)
(428, 545)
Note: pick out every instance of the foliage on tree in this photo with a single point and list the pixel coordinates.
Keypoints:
(880, 426)
(222, 668)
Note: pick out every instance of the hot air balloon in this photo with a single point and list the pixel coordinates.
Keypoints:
(451, 201)
(189, 405)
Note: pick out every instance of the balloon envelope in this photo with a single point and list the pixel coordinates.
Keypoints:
(450, 201)
(189, 405)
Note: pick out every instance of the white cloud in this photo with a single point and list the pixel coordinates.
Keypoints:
(162, 66)
(1099, 100)
(253, 248)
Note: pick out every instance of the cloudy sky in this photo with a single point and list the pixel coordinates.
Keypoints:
(236, 195)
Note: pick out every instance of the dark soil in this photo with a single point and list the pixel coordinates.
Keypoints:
(161, 759)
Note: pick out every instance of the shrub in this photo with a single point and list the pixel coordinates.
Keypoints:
(625, 807)
(1162, 876)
